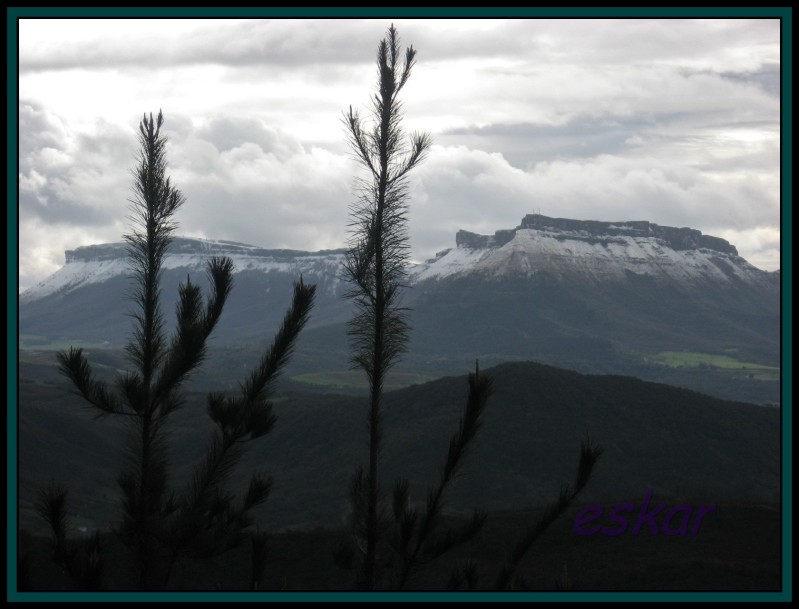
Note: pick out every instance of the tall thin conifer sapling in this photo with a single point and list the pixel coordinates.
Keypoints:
(376, 268)
(159, 523)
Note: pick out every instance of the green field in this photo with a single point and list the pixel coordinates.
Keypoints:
(690, 359)
(355, 379)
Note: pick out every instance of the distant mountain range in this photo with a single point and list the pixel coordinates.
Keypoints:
(596, 252)
(661, 303)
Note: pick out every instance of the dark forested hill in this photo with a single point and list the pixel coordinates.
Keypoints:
(673, 441)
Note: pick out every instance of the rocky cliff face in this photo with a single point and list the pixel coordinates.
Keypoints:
(591, 231)
(200, 248)
(90, 293)
(557, 247)
(95, 264)
(596, 252)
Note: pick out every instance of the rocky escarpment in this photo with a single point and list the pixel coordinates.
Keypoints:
(182, 246)
(597, 252)
(592, 232)
(583, 250)
(95, 264)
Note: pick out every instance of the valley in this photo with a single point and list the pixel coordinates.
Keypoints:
(660, 343)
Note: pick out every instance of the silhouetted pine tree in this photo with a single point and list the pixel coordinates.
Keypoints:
(160, 523)
(589, 456)
(376, 267)
(416, 537)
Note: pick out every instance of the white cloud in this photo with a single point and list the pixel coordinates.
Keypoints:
(276, 193)
(42, 246)
(473, 190)
(674, 121)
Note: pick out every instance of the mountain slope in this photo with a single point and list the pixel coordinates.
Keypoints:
(597, 252)
(598, 297)
(90, 293)
(656, 437)
(601, 297)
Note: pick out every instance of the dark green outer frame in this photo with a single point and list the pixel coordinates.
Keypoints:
(784, 13)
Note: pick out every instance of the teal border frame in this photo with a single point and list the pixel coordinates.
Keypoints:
(784, 13)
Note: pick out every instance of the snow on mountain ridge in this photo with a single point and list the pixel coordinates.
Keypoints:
(610, 259)
(97, 263)
(593, 251)
(192, 246)
(587, 250)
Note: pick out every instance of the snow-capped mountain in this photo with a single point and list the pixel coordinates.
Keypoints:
(592, 296)
(585, 250)
(91, 291)
(593, 251)
(99, 263)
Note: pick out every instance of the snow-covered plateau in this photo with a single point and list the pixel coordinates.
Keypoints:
(99, 263)
(598, 259)
(586, 250)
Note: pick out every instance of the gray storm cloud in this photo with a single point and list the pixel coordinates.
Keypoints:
(673, 121)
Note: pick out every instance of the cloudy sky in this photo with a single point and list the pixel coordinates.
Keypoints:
(672, 121)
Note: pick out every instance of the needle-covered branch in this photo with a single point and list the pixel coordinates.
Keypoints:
(589, 456)
(240, 419)
(195, 323)
(260, 384)
(428, 545)
(74, 365)
(153, 206)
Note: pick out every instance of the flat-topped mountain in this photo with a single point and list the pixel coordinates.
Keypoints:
(559, 247)
(592, 231)
(602, 297)
(596, 252)
(98, 263)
